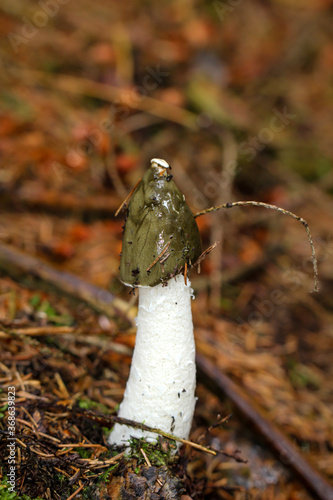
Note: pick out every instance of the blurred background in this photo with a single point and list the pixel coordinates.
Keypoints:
(237, 97)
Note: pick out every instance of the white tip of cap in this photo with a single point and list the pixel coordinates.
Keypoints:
(159, 164)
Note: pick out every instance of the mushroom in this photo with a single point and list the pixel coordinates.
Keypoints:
(161, 242)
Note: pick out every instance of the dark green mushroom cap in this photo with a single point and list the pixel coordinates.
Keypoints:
(160, 229)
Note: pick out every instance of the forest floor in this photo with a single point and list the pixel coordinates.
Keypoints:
(78, 128)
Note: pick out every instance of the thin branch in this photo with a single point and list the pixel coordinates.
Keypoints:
(278, 209)
(219, 422)
(109, 421)
(19, 265)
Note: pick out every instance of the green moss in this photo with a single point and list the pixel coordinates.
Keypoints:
(159, 453)
(2, 410)
(105, 476)
(61, 478)
(52, 315)
(35, 300)
(106, 431)
(88, 493)
(6, 494)
(84, 452)
(302, 376)
(87, 404)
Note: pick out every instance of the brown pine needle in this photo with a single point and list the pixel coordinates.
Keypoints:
(127, 199)
(159, 256)
(33, 422)
(166, 256)
(185, 274)
(40, 453)
(61, 385)
(149, 465)
(62, 471)
(205, 253)
(78, 445)
(75, 492)
(281, 210)
(145, 457)
(37, 331)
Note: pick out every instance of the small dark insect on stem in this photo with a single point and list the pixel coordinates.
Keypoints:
(281, 210)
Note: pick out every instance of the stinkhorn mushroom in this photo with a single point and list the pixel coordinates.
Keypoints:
(161, 242)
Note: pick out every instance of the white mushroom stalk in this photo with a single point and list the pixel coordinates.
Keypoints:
(161, 241)
(160, 390)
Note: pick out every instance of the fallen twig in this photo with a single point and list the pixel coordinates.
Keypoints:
(58, 202)
(19, 265)
(39, 331)
(108, 421)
